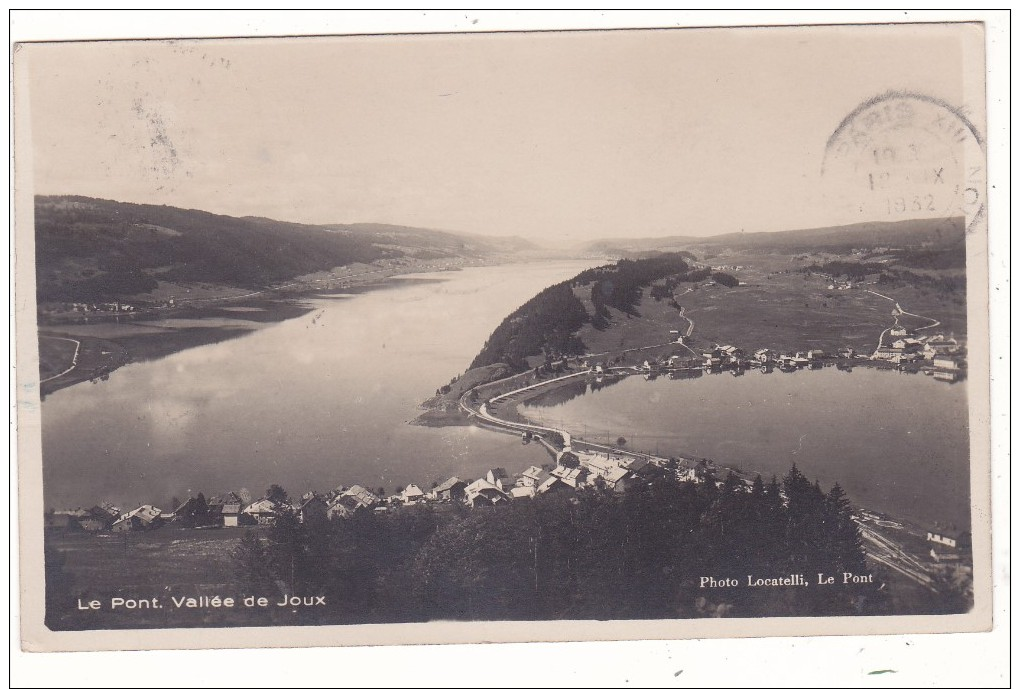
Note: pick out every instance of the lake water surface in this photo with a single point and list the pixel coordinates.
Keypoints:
(324, 399)
(895, 442)
(308, 403)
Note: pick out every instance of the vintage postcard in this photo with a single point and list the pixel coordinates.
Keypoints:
(535, 336)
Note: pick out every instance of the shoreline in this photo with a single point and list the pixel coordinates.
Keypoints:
(146, 336)
(895, 544)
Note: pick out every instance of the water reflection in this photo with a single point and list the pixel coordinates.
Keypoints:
(311, 402)
(896, 443)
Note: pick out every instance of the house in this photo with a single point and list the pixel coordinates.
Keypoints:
(190, 513)
(482, 493)
(532, 476)
(950, 539)
(362, 495)
(98, 518)
(313, 510)
(552, 485)
(641, 466)
(571, 476)
(230, 498)
(730, 351)
(142, 518)
(945, 362)
(814, 354)
(343, 507)
(450, 490)
(523, 491)
(412, 494)
(762, 356)
(499, 478)
(888, 354)
(232, 515)
(898, 331)
(609, 471)
(222, 505)
(350, 501)
(688, 474)
(264, 511)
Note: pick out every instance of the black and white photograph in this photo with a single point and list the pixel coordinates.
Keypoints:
(677, 333)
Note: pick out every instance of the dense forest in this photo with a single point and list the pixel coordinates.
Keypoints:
(944, 284)
(620, 286)
(93, 249)
(548, 323)
(586, 555)
(853, 270)
(933, 259)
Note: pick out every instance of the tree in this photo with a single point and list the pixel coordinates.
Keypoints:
(277, 494)
(570, 460)
(381, 492)
(621, 441)
(725, 279)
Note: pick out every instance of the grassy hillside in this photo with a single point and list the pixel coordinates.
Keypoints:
(93, 249)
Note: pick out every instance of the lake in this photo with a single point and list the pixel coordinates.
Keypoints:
(895, 442)
(309, 403)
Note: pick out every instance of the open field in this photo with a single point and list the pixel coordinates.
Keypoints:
(56, 355)
(140, 565)
(778, 307)
(96, 359)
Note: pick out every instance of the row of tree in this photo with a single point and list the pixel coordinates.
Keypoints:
(586, 555)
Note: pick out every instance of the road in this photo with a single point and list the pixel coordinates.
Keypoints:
(568, 441)
(483, 411)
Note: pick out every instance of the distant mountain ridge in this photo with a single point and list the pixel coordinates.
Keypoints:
(90, 248)
(939, 231)
(433, 239)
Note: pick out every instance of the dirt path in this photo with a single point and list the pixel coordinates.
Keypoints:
(896, 318)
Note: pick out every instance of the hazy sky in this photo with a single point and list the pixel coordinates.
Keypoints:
(554, 135)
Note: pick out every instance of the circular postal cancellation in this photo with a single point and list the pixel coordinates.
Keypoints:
(905, 155)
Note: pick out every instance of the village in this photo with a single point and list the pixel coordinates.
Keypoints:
(608, 473)
(577, 464)
(574, 470)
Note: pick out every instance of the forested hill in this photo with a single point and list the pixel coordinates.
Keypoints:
(433, 241)
(94, 248)
(548, 323)
(901, 234)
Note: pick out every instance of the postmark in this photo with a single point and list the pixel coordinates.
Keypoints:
(904, 155)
